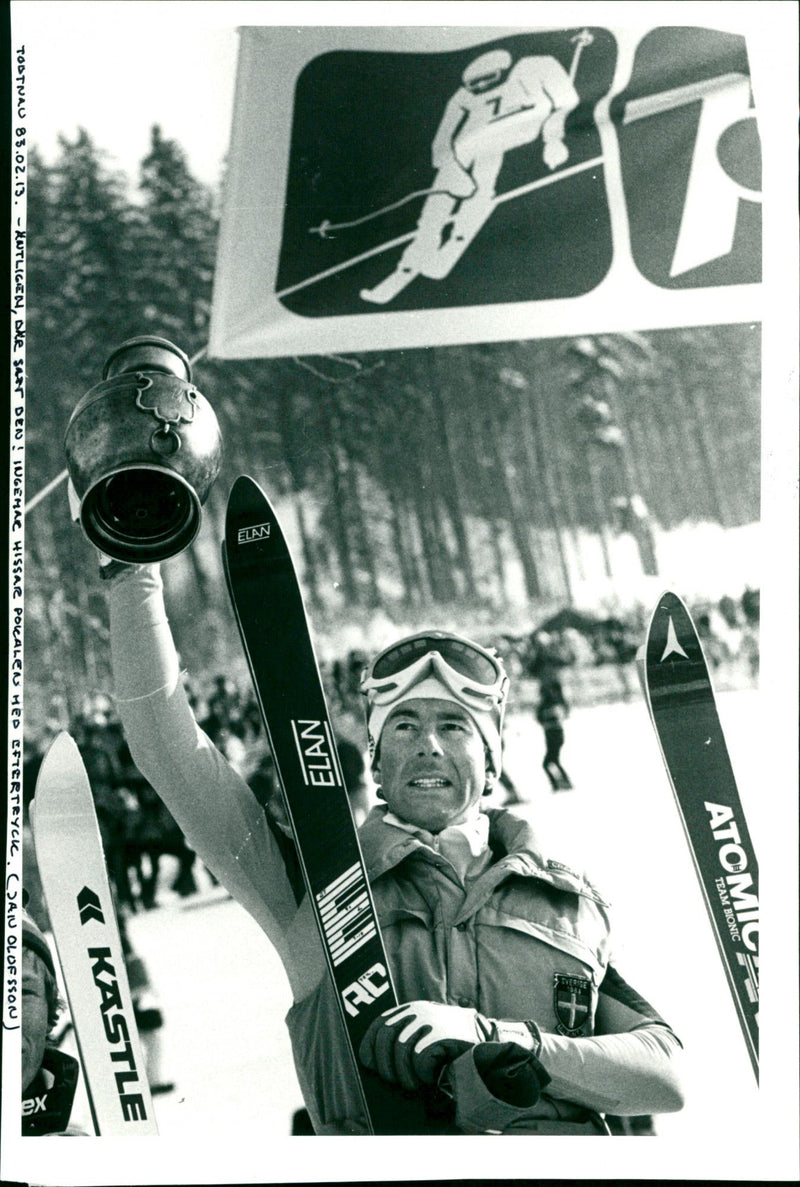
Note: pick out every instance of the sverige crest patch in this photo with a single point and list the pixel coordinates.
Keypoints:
(572, 1003)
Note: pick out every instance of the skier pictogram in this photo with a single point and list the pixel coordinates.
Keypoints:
(501, 105)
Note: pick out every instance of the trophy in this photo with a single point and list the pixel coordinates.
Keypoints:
(143, 449)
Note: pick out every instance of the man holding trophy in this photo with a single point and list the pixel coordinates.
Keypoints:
(501, 953)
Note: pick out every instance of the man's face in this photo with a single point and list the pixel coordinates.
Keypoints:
(432, 763)
(34, 1015)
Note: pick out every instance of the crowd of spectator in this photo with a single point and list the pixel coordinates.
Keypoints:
(578, 642)
(137, 830)
(728, 630)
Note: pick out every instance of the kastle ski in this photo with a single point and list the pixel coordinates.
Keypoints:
(275, 635)
(72, 868)
(680, 697)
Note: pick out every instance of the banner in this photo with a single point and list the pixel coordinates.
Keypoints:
(399, 187)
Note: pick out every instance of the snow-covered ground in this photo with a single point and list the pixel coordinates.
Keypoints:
(224, 995)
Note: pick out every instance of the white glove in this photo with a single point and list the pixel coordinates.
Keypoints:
(555, 153)
(453, 178)
(411, 1043)
(74, 502)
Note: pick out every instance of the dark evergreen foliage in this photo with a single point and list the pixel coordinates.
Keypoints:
(417, 477)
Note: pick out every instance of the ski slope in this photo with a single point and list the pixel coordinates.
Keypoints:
(224, 995)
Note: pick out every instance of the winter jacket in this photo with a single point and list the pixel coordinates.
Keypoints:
(528, 939)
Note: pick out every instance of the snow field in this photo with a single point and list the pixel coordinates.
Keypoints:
(224, 994)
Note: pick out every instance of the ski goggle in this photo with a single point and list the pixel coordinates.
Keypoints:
(471, 672)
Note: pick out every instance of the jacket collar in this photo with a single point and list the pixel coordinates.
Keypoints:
(514, 843)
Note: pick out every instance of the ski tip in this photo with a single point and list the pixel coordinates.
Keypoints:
(252, 528)
(668, 602)
(245, 494)
(61, 750)
(246, 489)
(668, 599)
(62, 765)
(244, 484)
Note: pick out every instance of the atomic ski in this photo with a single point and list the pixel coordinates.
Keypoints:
(72, 867)
(274, 629)
(680, 697)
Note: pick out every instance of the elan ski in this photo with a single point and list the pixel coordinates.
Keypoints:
(274, 629)
(680, 697)
(72, 867)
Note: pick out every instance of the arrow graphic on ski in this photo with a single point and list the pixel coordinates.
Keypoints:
(680, 697)
(672, 647)
(72, 867)
(89, 906)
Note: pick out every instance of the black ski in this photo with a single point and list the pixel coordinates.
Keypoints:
(274, 629)
(680, 697)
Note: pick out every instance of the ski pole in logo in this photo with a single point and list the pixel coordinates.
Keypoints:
(89, 906)
(581, 40)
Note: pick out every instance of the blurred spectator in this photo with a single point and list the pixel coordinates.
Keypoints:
(751, 605)
(146, 1011)
(115, 810)
(224, 702)
(713, 645)
(156, 833)
(353, 767)
(226, 738)
(620, 641)
(750, 650)
(508, 787)
(550, 713)
(729, 611)
(547, 652)
(267, 790)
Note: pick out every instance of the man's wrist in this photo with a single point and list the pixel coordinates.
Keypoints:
(110, 569)
(525, 1034)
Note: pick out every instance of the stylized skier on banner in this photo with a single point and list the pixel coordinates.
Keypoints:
(499, 107)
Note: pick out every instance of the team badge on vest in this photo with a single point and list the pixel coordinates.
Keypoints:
(572, 1002)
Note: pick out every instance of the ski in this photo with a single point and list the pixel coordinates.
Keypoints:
(389, 288)
(680, 696)
(273, 625)
(72, 867)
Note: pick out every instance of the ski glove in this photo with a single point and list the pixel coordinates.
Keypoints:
(455, 180)
(555, 153)
(411, 1043)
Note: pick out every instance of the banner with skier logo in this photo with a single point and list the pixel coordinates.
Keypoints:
(431, 186)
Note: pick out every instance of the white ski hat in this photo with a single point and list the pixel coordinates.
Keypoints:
(435, 665)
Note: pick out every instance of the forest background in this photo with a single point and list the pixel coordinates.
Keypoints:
(487, 487)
